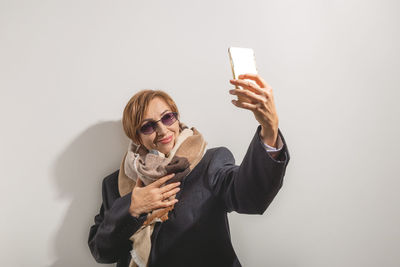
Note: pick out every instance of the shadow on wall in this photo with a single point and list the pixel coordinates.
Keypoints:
(78, 173)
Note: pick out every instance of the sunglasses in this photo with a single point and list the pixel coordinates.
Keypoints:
(167, 119)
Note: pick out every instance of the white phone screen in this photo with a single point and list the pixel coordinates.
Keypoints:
(242, 61)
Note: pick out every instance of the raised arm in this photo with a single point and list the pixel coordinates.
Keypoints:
(250, 187)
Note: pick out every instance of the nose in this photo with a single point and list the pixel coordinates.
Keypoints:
(161, 129)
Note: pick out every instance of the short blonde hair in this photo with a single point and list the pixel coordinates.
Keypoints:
(137, 106)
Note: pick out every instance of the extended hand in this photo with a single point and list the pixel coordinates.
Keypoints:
(258, 97)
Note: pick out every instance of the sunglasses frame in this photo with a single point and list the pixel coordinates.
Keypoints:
(154, 123)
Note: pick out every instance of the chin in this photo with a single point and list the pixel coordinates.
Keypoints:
(167, 148)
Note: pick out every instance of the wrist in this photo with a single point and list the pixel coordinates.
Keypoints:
(269, 136)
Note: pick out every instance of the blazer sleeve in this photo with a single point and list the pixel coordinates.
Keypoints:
(250, 187)
(114, 225)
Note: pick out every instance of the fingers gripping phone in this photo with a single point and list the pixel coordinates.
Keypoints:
(242, 61)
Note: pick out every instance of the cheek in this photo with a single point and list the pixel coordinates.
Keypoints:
(148, 139)
(152, 138)
(176, 131)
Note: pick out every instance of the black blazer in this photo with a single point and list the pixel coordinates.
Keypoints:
(197, 231)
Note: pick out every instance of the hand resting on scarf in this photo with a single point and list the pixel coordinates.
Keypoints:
(148, 198)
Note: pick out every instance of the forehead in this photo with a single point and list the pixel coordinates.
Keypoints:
(155, 107)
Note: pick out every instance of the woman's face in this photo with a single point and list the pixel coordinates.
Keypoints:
(164, 137)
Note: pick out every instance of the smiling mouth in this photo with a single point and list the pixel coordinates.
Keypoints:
(165, 140)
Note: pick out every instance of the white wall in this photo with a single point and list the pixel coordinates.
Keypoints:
(69, 67)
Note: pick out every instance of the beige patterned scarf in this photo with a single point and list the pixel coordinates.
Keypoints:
(148, 166)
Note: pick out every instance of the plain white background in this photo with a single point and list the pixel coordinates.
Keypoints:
(69, 67)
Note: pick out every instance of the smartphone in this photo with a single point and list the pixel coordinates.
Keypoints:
(242, 61)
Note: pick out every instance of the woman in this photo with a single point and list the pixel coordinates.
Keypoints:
(167, 204)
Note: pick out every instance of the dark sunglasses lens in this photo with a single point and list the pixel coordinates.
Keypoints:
(168, 119)
(147, 128)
